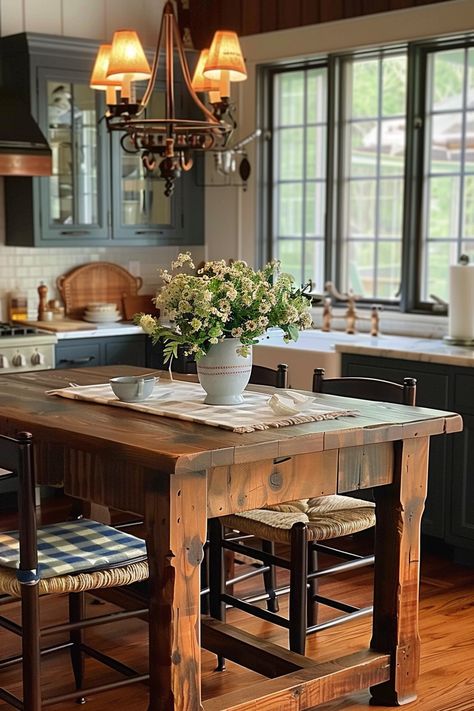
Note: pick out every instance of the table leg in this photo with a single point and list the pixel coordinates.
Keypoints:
(397, 568)
(175, 521)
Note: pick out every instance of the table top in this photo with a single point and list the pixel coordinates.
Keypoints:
(174, 445)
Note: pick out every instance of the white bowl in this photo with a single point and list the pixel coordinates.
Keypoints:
(98, 317)
(101, 308)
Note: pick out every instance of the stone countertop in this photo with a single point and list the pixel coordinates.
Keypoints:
(428, 350)
(123, 328)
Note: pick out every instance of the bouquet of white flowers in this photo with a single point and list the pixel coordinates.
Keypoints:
(224, 301)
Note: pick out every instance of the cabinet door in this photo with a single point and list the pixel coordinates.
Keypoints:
(128, 350)
(461, 531)
(142, 214)
(74, 200)
(432, 391)
(78, 353)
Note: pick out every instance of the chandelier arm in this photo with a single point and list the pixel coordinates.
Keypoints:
(187, 77)
(169, 34)
(154, 70)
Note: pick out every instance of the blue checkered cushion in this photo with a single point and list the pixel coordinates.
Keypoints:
(74, 547)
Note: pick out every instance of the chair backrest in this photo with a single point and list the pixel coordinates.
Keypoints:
(278, 378)
(16, 457)
(366, 388)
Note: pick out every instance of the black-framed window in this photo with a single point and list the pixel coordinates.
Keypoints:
(369, 171)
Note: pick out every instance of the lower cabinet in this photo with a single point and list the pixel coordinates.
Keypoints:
(107, 350)
(449, 511)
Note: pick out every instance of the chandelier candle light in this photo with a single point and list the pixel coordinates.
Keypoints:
(219, 313)
(167, 143)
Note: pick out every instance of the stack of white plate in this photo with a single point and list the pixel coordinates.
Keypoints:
(102, 313)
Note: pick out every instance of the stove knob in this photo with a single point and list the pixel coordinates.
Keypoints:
(4, 362)
(19, 360)
(37, 358)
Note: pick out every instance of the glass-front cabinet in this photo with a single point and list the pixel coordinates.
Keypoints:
(98, 193)
(75, 197)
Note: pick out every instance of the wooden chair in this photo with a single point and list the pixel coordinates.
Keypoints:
(303, 525)
(72, 558)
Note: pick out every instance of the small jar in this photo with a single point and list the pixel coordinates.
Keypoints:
(17, 306)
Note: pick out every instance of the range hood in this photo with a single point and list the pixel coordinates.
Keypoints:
(24, 150)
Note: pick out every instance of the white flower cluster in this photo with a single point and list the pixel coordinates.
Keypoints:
(224, 300)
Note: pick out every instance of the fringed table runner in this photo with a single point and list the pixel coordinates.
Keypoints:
(184, 401)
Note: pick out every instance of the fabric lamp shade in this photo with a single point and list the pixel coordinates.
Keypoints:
(225, 55)
(99, 79)
(199, 81)
(127, 58)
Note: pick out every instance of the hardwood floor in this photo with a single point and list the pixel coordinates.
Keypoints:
(446, 628)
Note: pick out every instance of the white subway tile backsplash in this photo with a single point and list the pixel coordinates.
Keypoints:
(25, 268)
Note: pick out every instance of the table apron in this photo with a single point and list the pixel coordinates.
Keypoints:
(119, 484)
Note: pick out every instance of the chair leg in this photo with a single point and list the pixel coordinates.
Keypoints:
(31, 648)
(269, 578)
(298, 587)
(76, 614)
(312, 586)
(216, 576)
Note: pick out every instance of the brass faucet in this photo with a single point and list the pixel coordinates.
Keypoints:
(351, 315)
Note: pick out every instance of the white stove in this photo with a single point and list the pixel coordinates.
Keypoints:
(23, 348)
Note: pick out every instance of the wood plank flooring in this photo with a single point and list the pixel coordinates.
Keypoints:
(446, 628)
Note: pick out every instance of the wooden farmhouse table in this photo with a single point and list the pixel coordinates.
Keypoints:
(176, 474)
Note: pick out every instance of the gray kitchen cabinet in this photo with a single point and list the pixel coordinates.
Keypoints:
(101, 350)
(449, 511)
(97, 194)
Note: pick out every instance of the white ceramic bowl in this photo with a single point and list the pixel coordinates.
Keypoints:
(101, 307)
(102, 316)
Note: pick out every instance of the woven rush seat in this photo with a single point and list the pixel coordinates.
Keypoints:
(68, 558)
(326, 517)
(306, 527)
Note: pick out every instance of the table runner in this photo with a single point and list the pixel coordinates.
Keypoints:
(185, 401)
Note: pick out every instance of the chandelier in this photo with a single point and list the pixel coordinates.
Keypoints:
(167, 143)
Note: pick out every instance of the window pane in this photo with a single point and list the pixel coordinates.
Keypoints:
(443, 216)
(448, 80)
(316, 152)
(394, 86)
(360, 268)
(469, 207)
(315, 209)
(314, 263)
(317, 95)
(289, 98)
(392, 149)
(290, 254)
(440, 255)
(390, 206)
(468, 248)
(290, 209)
(364, 146)
(446, 143)
(291, 163)
(361, 213)
(365, 88)
(388, 270)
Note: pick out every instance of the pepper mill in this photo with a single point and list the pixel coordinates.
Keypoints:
(42, 293)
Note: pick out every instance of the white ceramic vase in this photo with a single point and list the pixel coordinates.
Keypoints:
(224, 373)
